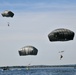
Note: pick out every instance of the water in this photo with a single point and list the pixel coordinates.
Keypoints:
(40, 71)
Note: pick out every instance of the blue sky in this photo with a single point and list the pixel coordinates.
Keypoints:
(37, 5)
(31, 24)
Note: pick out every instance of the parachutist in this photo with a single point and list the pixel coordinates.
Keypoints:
(7, 13)
(61, 57)
(8, 24)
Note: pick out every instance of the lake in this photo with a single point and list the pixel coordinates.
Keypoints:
(39, 71)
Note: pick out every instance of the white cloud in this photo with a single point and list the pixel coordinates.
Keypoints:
(33, 28)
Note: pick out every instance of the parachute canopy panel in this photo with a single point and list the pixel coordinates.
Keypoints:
(7, 13)
(28, 50)
(61, 34)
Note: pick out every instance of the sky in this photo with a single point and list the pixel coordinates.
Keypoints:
(32, 22)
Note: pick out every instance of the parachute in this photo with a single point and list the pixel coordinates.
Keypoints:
(61, 34)
(7, 13)
(61, 51)
(28, 50)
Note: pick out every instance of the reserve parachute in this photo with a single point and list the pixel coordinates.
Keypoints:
(61, 34)
(28, 50)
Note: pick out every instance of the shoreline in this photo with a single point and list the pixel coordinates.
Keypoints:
(38, 66)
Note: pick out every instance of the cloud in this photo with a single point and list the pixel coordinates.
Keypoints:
(32, 28)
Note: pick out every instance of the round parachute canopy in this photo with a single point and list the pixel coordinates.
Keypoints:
(28, 50)
(61, 34)
(7, 13)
